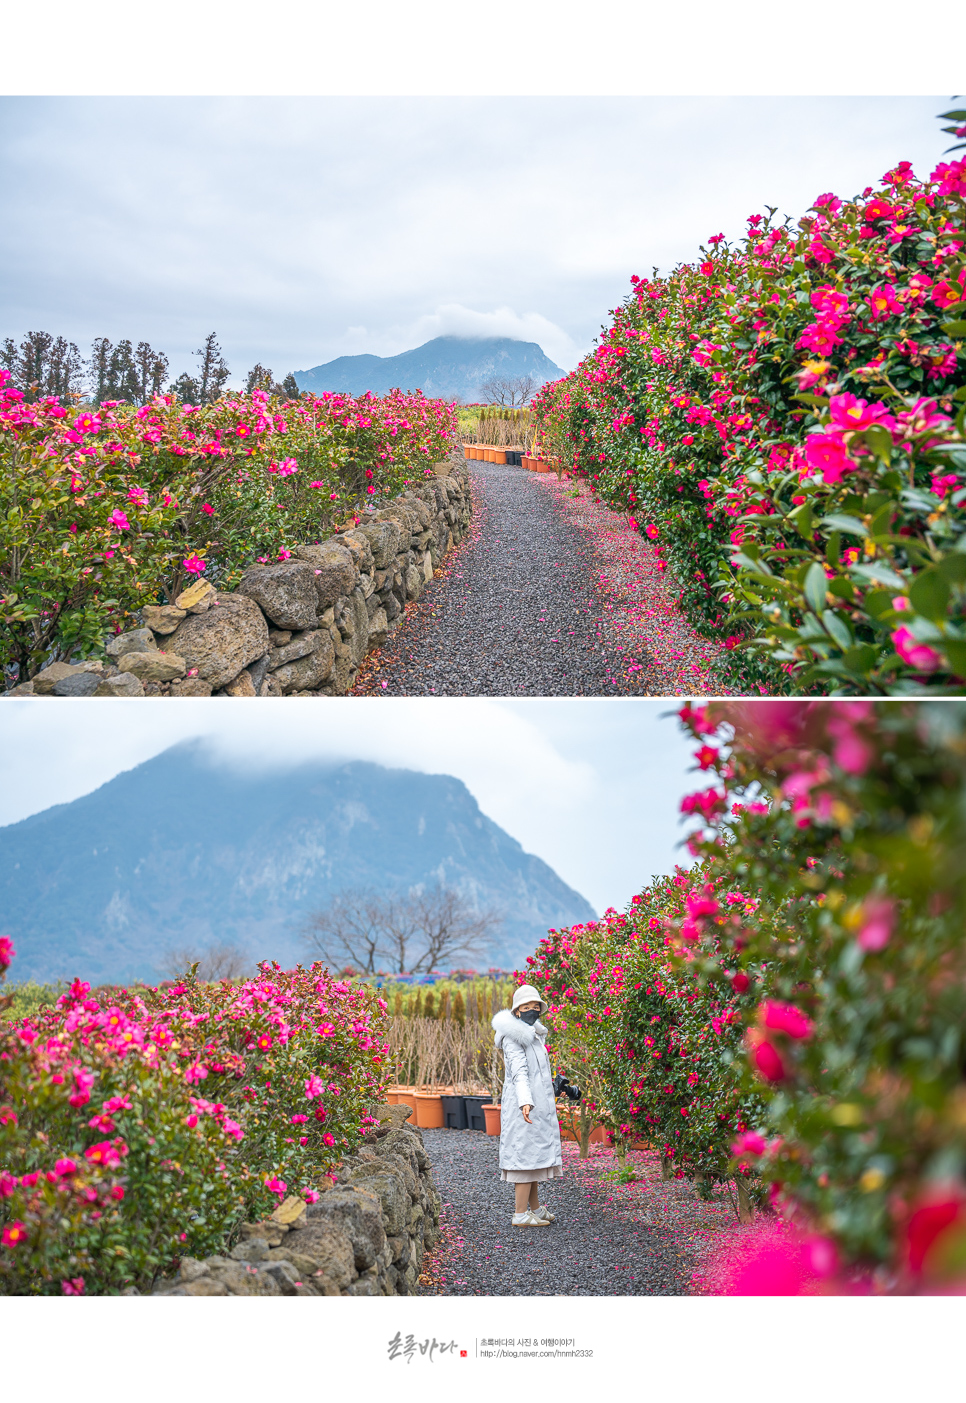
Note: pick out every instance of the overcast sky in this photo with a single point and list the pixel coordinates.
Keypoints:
(300, 229)
(592, 787)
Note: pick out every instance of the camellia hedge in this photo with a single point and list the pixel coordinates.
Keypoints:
(106, 508)
(784, 417)
(136, 1132)
(791, 1011)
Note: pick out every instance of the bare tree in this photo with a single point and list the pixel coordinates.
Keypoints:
(510, 391)
(217, 962)
(407, 933)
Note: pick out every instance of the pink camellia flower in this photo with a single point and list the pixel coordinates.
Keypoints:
(7, 1184)
(106, 1153)
(284, 554)
(196, 1072)
(878, 921)
(768, 1062)
(741, 982)
(287, 467)
(707, 803)
(916, 654)
(314, 1087)
(14, 1233)
(316, 484)
(299, 1120)
(829, 303)
(651, 532)
(310, 1195)
(276, 1186)
(328, 1139)
(820, 337)
(117, 1192)
(87, 423)
(827, 454)
(208, 509)
(786, 1018)
(7, 951)
(901, 603)
(194, 564)
(750, 1143)
(73, 1287)
(118, 519)
(137, 495)
(701, 903)
(848, 412)
(191, 1121)
(883, 302)
(83, 1081)
(232, 1128)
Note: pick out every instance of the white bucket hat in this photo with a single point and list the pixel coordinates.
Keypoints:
(527, 994)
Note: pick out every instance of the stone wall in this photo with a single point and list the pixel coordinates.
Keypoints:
(296, 628)
(365, 1236)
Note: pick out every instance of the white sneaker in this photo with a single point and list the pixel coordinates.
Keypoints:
(543, 1212)
(529, 1220)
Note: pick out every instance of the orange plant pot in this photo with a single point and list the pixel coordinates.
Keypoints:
(392, 1097)
(543, 467)
(491, 1114)
(406, 1094)
(499, 455)
(429, 1111)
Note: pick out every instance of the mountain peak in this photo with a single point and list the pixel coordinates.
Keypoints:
(186, 851)
(448, 367)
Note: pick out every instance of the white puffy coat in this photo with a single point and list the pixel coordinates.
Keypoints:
(528, 1081)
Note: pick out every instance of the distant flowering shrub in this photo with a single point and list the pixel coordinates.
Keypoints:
(785, 419)
(656, 1040)
(851, 1030)
(102, 512)
(137, 1132)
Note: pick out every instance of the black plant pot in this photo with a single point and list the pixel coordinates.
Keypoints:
(454, 1112)
(475, 1119)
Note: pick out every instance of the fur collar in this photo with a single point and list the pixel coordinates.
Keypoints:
(506, 1025)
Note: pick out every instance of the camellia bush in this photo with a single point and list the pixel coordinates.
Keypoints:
(105, 509)
(137, 1132)
(652, 1042)
(784, 418)
(846, 820)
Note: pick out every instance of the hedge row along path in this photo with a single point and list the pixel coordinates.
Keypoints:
(645, 1238)
(550, 594)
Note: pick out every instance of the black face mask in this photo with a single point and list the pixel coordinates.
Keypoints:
(530, 1016)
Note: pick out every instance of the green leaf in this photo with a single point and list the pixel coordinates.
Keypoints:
(880, 441)
(837, 628)
(877, 601)
(929, 594)
(838, 522)
(842, 587)
(816, 586)
(955, 651)
(956, 328)
(861, 659)
(803, 519)
(952, 567)
(881, 574)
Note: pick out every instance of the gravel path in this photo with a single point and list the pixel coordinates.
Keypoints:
(550, 594)
(610, 1239)
(516, 612)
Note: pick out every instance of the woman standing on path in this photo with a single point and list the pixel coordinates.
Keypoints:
(530, 1136)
